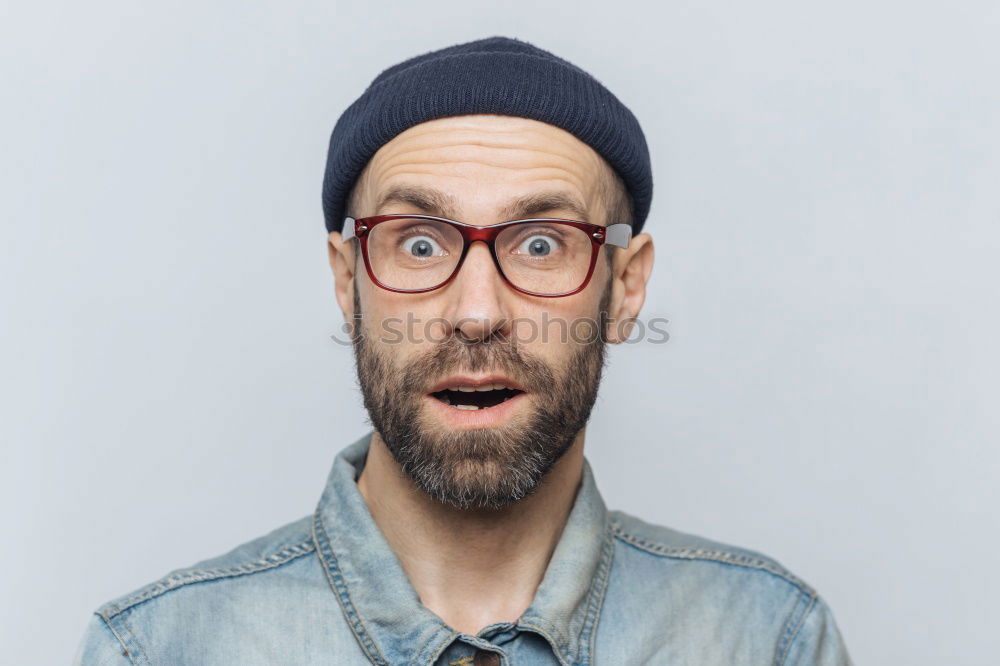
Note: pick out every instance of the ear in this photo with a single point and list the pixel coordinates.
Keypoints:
(342, 259)
(631, 269)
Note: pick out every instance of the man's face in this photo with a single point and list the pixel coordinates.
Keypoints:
(423, 382)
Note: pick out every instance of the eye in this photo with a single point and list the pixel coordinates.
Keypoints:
(422, 247)
(537, 246)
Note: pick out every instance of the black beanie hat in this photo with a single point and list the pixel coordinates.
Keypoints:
(497, 75)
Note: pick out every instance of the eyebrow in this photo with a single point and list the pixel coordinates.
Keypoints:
(435, 202)
(425, 199)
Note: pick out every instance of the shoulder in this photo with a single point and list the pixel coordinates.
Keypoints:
(187, 615)
(657, 541)
(268, 552)
(739, 600)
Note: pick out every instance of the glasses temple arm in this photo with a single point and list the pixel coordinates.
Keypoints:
(618, 235)
(348, 231)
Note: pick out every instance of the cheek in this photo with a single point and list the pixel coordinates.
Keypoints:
(554, 330)
(402, 325)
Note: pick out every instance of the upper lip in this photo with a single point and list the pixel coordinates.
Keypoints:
(469, 380)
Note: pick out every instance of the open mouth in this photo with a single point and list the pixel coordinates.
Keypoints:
(478, 397)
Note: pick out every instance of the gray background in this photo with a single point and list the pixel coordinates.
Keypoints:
(825, 220)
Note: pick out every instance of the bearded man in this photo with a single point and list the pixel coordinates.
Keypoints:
(492, 196)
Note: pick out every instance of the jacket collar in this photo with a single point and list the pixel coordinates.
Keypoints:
(384, 611)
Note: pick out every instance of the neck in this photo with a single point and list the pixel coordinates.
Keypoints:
(472, 568)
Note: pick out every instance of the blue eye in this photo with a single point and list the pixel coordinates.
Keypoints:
(537, 246)
(421, 247)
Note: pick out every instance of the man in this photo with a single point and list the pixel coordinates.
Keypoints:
(491, 197)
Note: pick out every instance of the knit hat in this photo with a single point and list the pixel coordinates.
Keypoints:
(497, 75)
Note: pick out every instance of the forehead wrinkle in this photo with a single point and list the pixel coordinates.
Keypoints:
(554, 168)
(478, 143)
(511, 129)
(438, 202)
(566, 166)
(542, 172)
(498, 157)
(552, 189)
(570, 151)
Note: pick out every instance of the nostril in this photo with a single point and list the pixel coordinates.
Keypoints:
(464, 337)
(472, 336)
(477, 331)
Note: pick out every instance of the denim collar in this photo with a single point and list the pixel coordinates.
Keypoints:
(384, 611)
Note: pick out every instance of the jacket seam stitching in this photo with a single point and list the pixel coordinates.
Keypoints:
(785, 646)
(596, 604)
(189, 576)
(710, 554)
(587, 636)
(339, 585)
(123, 619)
(131, 647)
(125, 652)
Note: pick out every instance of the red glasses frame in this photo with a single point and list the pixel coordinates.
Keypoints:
(617, 235)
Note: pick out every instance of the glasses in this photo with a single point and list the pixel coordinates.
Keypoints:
(412, 254)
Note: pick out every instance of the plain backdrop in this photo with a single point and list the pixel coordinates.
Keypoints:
(826, 221)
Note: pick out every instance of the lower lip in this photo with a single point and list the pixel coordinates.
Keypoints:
(477, 418)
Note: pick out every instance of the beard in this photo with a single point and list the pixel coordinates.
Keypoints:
(485, 468)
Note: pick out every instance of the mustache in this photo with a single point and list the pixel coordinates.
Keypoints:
(456, 355)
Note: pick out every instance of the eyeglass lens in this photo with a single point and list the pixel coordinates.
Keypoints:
(541, 257)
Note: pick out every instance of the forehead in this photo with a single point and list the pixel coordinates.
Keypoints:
(500, 166)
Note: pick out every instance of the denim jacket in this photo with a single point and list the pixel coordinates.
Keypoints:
(328, 589)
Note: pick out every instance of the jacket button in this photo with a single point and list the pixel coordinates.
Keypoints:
(486, 658)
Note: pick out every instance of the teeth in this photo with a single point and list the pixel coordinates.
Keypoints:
(466, 407)
(484, 387)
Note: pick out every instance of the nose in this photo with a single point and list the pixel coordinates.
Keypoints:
(478, 294)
